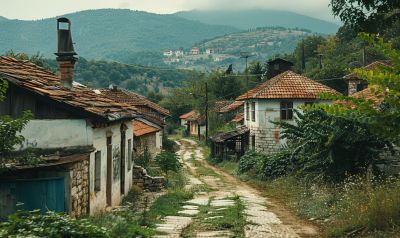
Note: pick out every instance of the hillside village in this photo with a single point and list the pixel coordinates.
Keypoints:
(300, 140)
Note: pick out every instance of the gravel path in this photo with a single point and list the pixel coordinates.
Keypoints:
(262, 222)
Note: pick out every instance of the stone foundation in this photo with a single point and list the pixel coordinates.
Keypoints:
(267, 141)
(146, 182)
(79, 188)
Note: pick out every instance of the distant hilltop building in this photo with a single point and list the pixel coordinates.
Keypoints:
(179, 53)
(209, 51)
(168, 53)
(194, 51)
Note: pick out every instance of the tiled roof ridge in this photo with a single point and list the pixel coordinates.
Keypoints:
(27, 62)
(271, 82)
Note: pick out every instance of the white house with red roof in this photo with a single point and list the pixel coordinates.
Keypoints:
(274, 100)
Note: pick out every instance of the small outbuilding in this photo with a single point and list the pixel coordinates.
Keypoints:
(230, 144)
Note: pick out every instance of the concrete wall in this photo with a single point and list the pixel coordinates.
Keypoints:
(267, 135)
(56, 134)
(98, 199)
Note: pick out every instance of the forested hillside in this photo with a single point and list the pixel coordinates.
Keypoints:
(248, 19)
(141, 79)
(108, 33)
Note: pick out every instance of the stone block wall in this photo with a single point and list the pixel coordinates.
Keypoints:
(267, 141)
(149, 140)
(145, 181)
(79, 198)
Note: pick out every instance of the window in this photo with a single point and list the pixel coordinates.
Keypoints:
(247, 111)
(253, 142)
(97, 171)
(286, 110)
(253, 111)
(129, 155)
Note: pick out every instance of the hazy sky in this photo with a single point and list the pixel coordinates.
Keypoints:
(37, 9)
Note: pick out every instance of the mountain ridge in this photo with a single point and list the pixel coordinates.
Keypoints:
(253, 18)
(94, 33)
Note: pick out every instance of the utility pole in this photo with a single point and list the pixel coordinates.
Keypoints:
(364, 56)
(303, 58)
(246, 56)
(206, 114)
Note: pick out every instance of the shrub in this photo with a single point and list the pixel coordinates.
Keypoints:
(250, 161)
(168, 144)
(168, 161)
(50, 224)
(277, 164)
(330, 146)
(144, 159)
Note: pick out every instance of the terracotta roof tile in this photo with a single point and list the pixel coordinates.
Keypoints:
(238, 118)
(287, 85)
(231, 107)
(373, 66)
(218, 105)
(134, 99)
(40, 81)
(187, 115)
(140, 128)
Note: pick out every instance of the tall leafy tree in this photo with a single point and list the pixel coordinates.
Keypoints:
(373, 16)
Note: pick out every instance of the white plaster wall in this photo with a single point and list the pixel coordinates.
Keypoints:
(98, 200)
(267, 134)
(183, 122)
(48, 134)
(159, 140)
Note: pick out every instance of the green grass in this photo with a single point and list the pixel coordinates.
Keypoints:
(356, 208)
(231, 219)
(167, 205)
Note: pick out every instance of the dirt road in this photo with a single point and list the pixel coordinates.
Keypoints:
(263, 218)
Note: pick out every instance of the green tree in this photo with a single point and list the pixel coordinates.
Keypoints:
(384, 83)
(371, 16)
(168, 161)
(9, 137)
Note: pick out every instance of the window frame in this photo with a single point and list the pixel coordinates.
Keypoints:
(97, 171)
(253, 111)
(247, 111)
(286, 110)
(130, 155)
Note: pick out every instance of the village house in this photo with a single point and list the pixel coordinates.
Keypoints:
(194, 51)
(233, 112)
(355, 84)
(179, 53)
(168, 53)
(149, 130)
(81, 136)
(274, 100)
(194, 123)
(209, 51)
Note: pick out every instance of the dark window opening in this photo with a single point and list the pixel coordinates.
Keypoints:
(253, 111)
(286, 110)
(97, 171)
(253, 142)
(247, 111)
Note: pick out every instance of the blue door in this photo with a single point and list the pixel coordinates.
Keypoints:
(44, 194)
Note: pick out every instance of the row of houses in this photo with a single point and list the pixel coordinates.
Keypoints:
(192, 51)
(86, 139)
(275, 100)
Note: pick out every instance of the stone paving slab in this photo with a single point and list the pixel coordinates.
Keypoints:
(199, 201)
(214, 234)
(222, 203)
(189, 212)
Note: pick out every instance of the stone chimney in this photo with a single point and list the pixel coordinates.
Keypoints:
(65, 55)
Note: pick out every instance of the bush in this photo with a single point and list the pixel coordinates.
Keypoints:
(250, 161)
(168, 161)
(50, 224)
(168, 144)
(144, 159)
(330, 146)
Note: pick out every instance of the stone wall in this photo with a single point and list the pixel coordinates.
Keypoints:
(149, 141)
(266, 141)
(391, 165)
(352, 86)
(79, 198)
(146, 182)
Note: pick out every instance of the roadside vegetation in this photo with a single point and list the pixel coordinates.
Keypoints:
(331, 171)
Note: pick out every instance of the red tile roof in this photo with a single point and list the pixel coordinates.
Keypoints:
(218, 105)
(231, 107)
(42, 82)
(288, 85)
(373, 66)
(141, 128)
(238, 118)
(187, 115)
(369, 94)
(134, 99)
